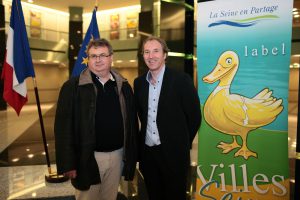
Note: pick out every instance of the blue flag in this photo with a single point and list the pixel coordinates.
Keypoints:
(23, 63)
(82, 58)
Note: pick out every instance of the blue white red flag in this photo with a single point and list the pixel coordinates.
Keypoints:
(18, 63)
(82, 58)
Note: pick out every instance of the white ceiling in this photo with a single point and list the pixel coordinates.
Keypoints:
(88, 5)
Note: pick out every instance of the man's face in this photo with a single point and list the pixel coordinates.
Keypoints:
(154, 55)
(99, 60)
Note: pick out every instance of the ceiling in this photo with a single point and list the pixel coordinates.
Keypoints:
(88, 5)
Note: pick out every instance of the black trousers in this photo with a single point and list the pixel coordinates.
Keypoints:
(163, 182)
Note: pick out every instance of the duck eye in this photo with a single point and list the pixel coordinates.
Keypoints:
(228, 61)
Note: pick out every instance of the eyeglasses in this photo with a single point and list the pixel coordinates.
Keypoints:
(101, 56)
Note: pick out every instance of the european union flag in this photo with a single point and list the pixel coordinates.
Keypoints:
(82, 58)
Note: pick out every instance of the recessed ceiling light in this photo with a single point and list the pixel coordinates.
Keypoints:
(30, 1)
(296, 16)
(294, 9)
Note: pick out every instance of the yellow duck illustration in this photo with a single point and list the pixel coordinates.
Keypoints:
(234, 114)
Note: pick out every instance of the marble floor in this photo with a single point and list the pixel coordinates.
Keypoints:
(23, 163)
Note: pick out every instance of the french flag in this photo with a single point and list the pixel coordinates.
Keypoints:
(18, 62)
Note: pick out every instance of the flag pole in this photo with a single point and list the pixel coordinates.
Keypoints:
(19, 23)
(53, 177)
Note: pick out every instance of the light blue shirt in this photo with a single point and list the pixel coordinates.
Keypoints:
(152, 135)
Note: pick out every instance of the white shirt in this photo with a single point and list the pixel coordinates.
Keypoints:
(152, 135)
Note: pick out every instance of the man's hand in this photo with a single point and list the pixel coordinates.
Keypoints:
(71, 174)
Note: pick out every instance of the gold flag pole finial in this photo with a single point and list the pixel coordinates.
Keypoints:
(96, 4)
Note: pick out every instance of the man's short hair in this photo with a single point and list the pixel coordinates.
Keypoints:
(100, 43)
(158, 39)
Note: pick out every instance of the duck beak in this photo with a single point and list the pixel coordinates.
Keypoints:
(214, 75)
(218, 72)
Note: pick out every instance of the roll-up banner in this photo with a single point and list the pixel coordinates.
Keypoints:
(243, 58)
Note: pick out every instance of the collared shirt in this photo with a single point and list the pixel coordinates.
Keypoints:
(110, 78)
(152, 135)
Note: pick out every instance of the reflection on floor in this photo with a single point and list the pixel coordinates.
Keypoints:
(23, 168)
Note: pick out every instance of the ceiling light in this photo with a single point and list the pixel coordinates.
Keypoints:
(132, 60)
(176, 54)
(119, 61)
(27, 149)
(30, 1)
(296, 16)
(116, 10)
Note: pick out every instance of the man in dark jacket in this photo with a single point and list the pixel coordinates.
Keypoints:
(169, 110)
(95, 127)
